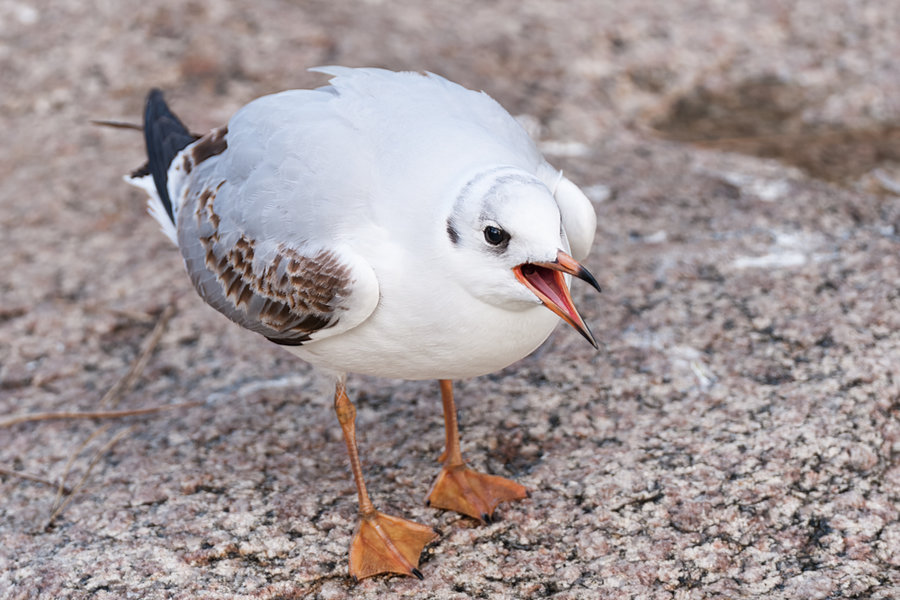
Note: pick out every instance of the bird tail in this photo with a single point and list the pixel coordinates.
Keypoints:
(165, 136)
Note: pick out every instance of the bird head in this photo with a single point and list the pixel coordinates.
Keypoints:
(506, 233)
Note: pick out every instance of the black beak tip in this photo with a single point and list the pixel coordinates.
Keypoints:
(585, 275)
(589, 336)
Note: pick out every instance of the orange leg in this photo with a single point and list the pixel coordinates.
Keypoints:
(382, 544)
(459, 488)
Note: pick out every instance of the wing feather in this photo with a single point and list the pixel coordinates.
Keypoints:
(249, 241)
(288, 294)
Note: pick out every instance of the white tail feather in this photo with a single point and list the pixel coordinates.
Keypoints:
(154, 205)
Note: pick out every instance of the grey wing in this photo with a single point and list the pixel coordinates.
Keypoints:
(290, 293)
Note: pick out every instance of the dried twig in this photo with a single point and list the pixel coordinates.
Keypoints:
(94, 460)
(68, 467)
(117, 124)
(64, 495)
(108, 414)
(115, 393)
(120, 388)
(30, 477)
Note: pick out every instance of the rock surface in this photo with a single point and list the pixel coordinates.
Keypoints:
(737, 436)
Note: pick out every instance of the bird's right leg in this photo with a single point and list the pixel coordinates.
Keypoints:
(382, 544)
(459, 488)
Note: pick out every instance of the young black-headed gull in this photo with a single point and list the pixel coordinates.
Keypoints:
(394, 224)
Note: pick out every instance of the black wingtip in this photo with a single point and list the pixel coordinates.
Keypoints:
(418, 574)
(165, 136)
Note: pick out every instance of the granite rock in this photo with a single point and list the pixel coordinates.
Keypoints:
(737, 436)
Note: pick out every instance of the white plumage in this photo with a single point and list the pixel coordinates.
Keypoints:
(371, 169)
(394, 224)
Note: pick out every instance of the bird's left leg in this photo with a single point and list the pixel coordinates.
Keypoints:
(459, 488)
(383, 543)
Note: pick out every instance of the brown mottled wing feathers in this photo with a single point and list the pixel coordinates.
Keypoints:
(212, 144)
(287, 299)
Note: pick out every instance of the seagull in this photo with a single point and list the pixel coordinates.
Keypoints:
(389, 223)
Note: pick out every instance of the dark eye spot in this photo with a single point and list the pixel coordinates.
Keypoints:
(495, 236)
(452, 233)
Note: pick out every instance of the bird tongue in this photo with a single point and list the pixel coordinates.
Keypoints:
(549, 284)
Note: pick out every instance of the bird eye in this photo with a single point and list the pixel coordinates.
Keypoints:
(495, 236)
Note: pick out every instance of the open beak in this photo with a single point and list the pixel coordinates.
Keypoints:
(546, 280)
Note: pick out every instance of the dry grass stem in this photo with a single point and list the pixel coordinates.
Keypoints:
(30, 477)
(115, 393)
(61, 505)
(103, 414)
(68, 467)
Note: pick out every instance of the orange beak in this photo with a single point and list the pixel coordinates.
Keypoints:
(546, 280)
